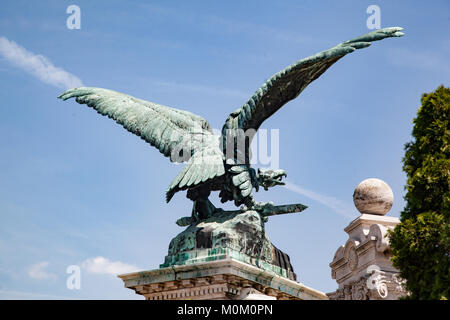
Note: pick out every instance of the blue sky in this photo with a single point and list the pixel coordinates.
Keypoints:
(77, 189)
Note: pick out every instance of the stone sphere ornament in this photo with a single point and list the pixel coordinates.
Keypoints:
(373, 196)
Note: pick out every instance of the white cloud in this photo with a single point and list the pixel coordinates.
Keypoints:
(37, 271)
(333, 203)
(37, 65)
(104, 266)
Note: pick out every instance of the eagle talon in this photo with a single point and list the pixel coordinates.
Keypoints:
(185, 221)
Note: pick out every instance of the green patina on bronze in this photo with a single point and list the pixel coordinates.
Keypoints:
(234, 234)
(221, 163)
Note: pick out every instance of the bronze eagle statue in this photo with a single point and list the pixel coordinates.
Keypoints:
(216, 163)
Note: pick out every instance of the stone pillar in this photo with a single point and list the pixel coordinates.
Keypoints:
(362, 267)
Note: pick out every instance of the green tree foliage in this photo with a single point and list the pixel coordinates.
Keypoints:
(421, 242)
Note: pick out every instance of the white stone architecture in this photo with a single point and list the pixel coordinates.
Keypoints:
(362, 267)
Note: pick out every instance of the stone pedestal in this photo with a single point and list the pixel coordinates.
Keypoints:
(362, 267)
(240, 235)
(227, 256)
(217, 276)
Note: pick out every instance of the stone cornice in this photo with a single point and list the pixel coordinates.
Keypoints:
(229, 268)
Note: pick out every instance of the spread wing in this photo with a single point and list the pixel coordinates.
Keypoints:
(178, 134)
(290, 82)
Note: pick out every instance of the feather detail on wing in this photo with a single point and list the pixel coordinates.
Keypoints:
(180, 135)
(170, 130)
(204, 165)
(290, 82)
